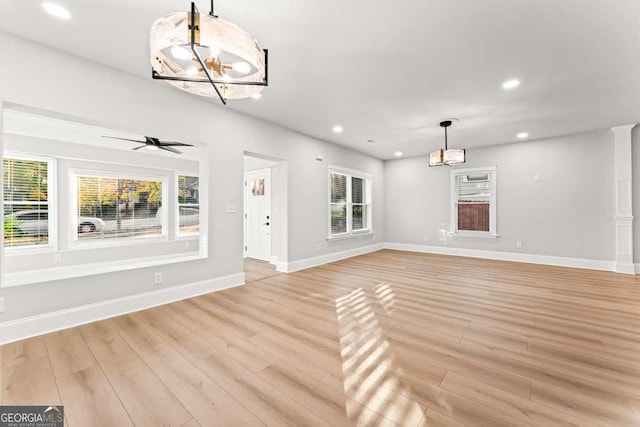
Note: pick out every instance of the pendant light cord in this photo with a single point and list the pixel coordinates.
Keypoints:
(445, 139)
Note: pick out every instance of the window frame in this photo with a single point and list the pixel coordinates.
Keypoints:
(178, 234)
(52, 204)
(368, 192)
(493, 220)
(76, 243)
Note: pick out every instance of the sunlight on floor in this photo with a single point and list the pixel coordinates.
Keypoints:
(370, 375)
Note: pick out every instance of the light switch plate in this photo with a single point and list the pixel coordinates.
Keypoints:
(231, 208)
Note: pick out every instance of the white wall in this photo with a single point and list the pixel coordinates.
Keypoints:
(79, 88)
(569, 213)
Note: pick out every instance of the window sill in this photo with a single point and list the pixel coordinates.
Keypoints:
(30, 250)
(476, 235)
(117, 242)
(347, 236)
(82, 270)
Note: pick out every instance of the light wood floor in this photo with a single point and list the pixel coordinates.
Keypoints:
(381, 339)
(256, 270)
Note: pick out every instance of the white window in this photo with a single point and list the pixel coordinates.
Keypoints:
(473, 202)
(28, 208)
(349, 203)
(118, 207)
(188, 205)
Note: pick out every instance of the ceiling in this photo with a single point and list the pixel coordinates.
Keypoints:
(391, 71)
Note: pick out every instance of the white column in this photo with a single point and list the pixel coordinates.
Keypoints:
(624, 205)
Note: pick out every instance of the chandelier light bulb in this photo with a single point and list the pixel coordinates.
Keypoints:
(241, 67)
(181, 53)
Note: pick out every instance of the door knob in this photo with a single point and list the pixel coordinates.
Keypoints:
(266, 223)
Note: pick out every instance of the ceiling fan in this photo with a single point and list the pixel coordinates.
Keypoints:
(151, 143)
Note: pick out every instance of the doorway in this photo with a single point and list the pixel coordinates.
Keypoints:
(257, 215)
(265, 242)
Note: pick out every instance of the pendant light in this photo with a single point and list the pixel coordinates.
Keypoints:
(207, 56)
(447, 156)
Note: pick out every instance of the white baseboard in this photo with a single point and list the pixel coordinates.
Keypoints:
(27, 327)
(302, 264)
(591, 264)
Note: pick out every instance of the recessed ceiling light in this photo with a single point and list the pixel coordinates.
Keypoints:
(510, 84)
(522, 135)
(256, 95)
(398, 153)
(56, 10)
(337, 129)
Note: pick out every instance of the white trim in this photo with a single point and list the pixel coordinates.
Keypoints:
(82, 270)
(290, 267)
(176, 179)
(592, 264)
(15, 330)
(51, 203)
(75, 241)
(493, 210)
(623, 167)
(352, 235)
(368, 205)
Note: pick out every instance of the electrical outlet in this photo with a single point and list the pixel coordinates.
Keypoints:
(519, 245)
(1, 304)
(536, 177)
(157, 278)
(426, 238)
(57, 258)
(317, 246)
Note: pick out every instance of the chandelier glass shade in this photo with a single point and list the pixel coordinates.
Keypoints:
(207, 56)
(448, 156)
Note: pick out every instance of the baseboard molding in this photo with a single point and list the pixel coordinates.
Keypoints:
(302, 264)
(590, 264)
(27, 327)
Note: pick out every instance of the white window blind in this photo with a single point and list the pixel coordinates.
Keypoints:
(26, 185)
(188, 204)
(114, 207)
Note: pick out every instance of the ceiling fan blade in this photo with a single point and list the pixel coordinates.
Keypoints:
(126, 139)
(173, 150)
(137, 148)
(170, 143)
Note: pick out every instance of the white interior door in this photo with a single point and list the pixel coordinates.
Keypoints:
(257, 214)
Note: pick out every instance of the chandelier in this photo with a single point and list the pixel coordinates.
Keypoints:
(207, 56)
(447, 156)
